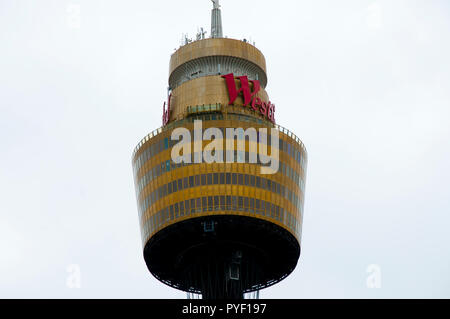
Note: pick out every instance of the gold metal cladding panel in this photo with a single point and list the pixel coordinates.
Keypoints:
(206, 124)
(232, 116)
(291, 221)
(145, 188)
(220, 167)
(212, 47)
(239, 168)
(204, 91)
(220, 189)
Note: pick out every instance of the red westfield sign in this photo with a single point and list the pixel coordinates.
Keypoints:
(166, 113)
(265, 108)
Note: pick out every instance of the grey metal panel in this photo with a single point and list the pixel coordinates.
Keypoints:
(214, 65)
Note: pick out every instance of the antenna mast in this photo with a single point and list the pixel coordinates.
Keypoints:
(216, 21)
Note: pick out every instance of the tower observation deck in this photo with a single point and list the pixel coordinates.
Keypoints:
(232, 225)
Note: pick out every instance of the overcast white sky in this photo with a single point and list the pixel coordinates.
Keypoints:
(365, 85)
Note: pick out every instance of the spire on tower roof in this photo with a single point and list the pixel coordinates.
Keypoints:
(216, 20)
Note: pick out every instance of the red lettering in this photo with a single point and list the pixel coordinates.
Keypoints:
(166, 113)
(233, 92)
(256, 103)
(269, 110)
(273, 114)
(263, 108)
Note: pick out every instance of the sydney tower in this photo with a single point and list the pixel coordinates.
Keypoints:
(220, 186)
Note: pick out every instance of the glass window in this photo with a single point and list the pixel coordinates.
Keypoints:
(240, 179)
(187, 206)
(246, 179)
(269, 184)
(222, 202)
(158, 218)
(263, 207)
(180, 184)
(199, 205)
(169, 188)
(164, 215)
(174, 186)
(234, 202)
(258, 181)
(176, 210)
(216, 178)
(210, 203)
(234, 179)
(216, 203)
(246, 203)
(171, 212)
(222, 178)
(197, 180)
(185, 183)
(166, 143)
(192, 205)
(182, 209)
(209, 179)
(204, 203)
(252, 205)
(228, 178)
(203, 179)
(228, 202)
(164, 190)
(252, 180)
(240, 202)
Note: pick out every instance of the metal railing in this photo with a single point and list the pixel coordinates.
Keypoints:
(210, 108)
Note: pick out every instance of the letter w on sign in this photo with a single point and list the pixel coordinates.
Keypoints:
(233, 91)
